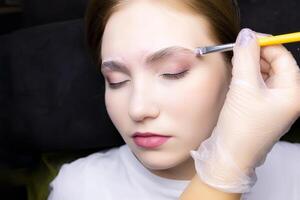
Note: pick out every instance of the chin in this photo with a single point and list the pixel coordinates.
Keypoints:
(159, 160)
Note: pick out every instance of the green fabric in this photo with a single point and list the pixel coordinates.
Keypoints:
(37, 180)
(40, 178)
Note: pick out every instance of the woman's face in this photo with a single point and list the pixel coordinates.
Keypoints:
(142, 43)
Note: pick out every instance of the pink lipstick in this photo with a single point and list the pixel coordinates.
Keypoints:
(149, 140)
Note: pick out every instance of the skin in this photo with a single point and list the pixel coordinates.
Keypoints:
(149, 101)
(198, 190)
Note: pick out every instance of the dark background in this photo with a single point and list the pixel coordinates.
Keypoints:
(51, 95)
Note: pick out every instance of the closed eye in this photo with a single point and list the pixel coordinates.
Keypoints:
(116, 85)
(176, 76)
(167, 76)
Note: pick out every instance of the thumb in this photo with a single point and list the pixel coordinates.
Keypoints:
(246, 60)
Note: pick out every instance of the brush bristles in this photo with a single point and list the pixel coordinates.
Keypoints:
(199, 51)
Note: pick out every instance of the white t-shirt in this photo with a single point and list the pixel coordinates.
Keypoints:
(117, 174)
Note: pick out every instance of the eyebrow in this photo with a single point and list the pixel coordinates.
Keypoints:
(154, 57)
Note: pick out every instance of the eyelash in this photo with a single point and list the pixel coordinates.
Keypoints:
(168, 76)
(176, 76)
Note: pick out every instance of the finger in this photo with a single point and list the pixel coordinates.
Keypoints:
(280, 59)
(246, 59)
(265, 67)
(265, 76)
(265, 70)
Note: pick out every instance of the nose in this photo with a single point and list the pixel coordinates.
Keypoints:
(142, 105)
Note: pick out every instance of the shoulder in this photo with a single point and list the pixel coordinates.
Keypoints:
(71, 178)
(286, 153)
(282, 163)
(278, 177)
(284, 158)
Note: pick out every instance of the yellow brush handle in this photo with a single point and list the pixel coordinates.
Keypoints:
(279, 39)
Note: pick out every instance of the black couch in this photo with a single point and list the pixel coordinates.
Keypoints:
(52, 99)
(51, 96)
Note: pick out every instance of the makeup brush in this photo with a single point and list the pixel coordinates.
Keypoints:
(263, 41)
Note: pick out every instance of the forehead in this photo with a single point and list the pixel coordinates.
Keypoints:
(140, 28)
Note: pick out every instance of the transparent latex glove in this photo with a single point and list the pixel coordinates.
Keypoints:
(256, 113)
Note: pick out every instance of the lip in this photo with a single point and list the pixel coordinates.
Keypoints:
(149, 140)
(147, 134)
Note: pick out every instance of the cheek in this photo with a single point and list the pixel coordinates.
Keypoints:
(200, 89)
(198, 102)
(116, 109)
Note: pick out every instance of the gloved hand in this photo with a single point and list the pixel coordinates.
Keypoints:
(257, 112)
